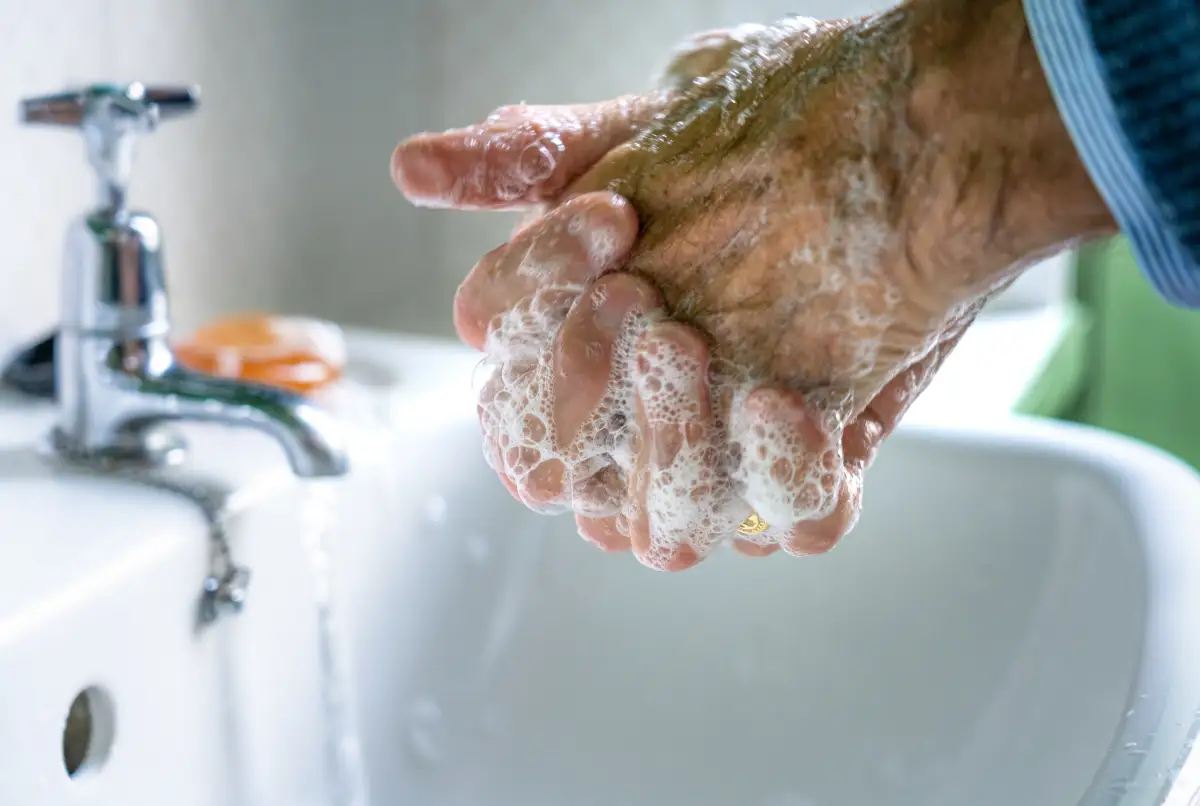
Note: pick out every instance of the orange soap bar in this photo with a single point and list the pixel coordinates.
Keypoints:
(289, 352)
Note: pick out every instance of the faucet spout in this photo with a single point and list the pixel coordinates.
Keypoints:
(112, 392)
(309, 436)
(116, 376)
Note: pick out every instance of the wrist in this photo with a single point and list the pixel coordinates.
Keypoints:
(995, 182)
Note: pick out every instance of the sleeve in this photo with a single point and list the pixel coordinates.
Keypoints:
(1125, 75)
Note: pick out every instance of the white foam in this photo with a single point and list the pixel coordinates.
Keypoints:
(698, 497)
(748, 459)
(782, 477)
(689, 501)
(517, 408)
(603, 245)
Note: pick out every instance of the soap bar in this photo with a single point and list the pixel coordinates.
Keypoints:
(289, 352)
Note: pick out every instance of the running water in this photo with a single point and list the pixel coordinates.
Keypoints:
(343, 746)
(347, 780)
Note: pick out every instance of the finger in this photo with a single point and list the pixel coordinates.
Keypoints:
(597, 488)
(788, 464)
(877, 422)
(634, 513)
(682, 501)
(491, 398)
(817, 537)
(579, 396)
(493, 454)
(897, 398)
(750, 549)
(603, 533)
(599, 332)
(520, 156)
(569, 246)
(511, 407)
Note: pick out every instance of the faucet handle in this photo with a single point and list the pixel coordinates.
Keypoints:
(98, 103)
(110, 117)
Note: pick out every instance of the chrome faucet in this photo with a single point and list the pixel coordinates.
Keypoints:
(117, 377)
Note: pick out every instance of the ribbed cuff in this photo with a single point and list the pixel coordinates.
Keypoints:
(1120, 95)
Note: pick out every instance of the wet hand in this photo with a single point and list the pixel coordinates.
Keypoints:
(594, 400)
(781, 235)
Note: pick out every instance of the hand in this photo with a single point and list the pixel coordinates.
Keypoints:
(549, 412)
(797, 452)
(568, 452)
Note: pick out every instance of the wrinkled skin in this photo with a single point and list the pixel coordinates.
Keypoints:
(776, 260)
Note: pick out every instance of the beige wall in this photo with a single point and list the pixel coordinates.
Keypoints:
(276, 194)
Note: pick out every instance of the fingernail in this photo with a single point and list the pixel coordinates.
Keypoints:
(605, 227)
(685, 557)
(613, 299)
(421, 176)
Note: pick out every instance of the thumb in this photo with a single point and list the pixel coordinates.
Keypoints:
(520, 156)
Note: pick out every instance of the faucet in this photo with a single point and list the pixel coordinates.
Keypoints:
(118, 380)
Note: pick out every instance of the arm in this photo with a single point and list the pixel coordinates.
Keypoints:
(997, 183)
(905, 166)
(1126, 77)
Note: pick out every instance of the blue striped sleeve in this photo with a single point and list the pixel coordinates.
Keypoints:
(1126, 77)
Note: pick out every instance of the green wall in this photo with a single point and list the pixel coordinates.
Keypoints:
(1135, 364)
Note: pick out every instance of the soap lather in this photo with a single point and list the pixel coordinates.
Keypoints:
(115, 376)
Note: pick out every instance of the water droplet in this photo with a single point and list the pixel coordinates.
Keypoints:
(479, 548)
(424, 736)
(435, 510)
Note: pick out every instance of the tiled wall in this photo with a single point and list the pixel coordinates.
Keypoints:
(276, 194)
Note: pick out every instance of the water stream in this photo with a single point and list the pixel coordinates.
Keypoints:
(343, 746)
(222, 594)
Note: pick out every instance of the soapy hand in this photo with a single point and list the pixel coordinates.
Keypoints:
(597, 400)
(573, 346)
(778, 196)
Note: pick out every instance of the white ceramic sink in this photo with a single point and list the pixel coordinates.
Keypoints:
(1015, 621)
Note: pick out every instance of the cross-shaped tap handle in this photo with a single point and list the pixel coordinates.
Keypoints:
(132, 102)
(110, 117)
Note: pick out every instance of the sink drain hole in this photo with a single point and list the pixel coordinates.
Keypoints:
(89, 731)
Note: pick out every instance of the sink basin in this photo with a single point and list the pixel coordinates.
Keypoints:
(1016, 620)
(100, 606)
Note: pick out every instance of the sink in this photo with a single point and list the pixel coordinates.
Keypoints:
(1016, 620)
(100, 606)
